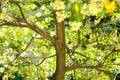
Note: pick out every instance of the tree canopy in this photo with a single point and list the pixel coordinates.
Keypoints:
(59, 39)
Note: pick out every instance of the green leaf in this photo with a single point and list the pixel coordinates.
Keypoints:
(18, 76)
(1, 65)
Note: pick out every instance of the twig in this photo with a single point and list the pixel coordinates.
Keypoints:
(71, 54)
(20, 10)
(109, 54)
(41, 62)
(78, 42)
(18, 55)
(23, 50)
(37, 37)
(111, 64)
(89, 42)
(45, 59)
(81, 42)
(106, 72)
(86, 56)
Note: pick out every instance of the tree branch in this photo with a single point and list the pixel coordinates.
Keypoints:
(26, 24)
(81, 42)
(31, 26)
(13, 24)
(109, 54)
(69, 68)
(42, 33)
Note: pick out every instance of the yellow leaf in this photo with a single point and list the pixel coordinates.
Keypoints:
(98, 20)
(76, 8)
(112, 18)
(109, 6)
(118, 15)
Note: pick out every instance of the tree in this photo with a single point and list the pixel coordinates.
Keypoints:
(82, 37)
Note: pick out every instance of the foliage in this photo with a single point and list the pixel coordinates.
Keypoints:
(28, 31)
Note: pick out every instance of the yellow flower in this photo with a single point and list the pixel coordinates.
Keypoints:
(109, 6)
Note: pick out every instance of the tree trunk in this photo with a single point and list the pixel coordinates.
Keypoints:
(60, 52)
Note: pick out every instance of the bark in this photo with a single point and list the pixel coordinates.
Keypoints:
(60, 52)
(0, 6)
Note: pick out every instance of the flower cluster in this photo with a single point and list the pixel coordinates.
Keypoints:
(93, 8)
(75, 25)
(61, 15)
(59, 6)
